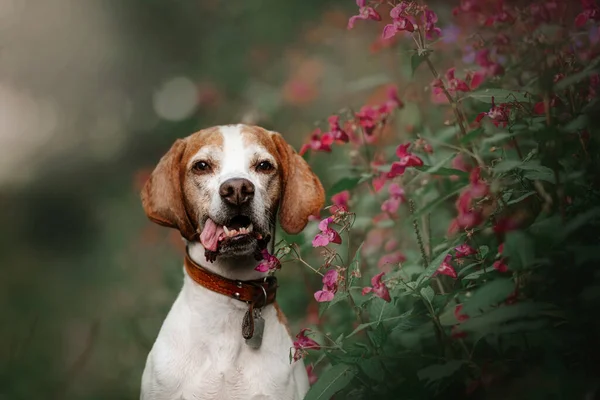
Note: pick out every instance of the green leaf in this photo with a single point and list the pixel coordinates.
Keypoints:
(591, 69)
(356, 263)
(488, 295)
(377, 335)
(520, 250)
(521, 198)
(339, 296)
(433, 266)
(500, 96)
(580, 220)
(437, 372)
(415, 61)
(438, 170)
(469, 137)
(373, 369)
(483, 251)
(427, 293)
(331, 381)
(428, 208)
(346, 183)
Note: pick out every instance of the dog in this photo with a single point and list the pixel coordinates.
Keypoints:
(225, 337)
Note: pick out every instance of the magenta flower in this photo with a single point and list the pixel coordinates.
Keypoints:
(445, 268)
(340, 202)
(327, 235)
(378, 288)
(459, 315)
(329, 287)
(336, 131)
(396, 198)
(393, 101)
(482, 58)
(455, 84)
(464, 250)
(364, 12)
(303, 343)
(269, 262)
(318, 142)
(367, 118)
(406, 160)
(498, 114)
(431, 31)
(477, 188)
(400, 22)
(500, 265)
(312, 377)
(591, 11)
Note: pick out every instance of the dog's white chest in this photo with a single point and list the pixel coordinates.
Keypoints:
(201, 354)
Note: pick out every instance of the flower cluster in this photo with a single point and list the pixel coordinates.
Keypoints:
(378, 288)
(268, 263)
(330, 284)
(327, 235)
(304, 343)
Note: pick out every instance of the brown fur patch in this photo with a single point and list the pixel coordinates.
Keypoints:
(282, 318)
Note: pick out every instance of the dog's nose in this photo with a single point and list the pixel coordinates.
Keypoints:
(237, 191)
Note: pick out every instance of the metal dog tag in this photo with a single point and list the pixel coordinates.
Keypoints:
(259, 328)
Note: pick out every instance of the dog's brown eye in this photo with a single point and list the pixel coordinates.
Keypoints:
(264, 166)
(201, 166)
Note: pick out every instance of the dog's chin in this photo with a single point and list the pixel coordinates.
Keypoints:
(239, 246)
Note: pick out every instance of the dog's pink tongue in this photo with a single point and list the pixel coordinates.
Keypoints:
(210, 235)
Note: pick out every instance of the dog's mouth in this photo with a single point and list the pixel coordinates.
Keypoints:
(238, 230)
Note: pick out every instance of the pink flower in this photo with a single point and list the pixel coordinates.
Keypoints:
(396, 198)
(378, 288)
(318, 142)
(498, 114)
(590, 12)
(406, 160)
(431, 31)
(400, 22)
(458, 315)
(500, 265)
(329, 286)
(393, 101)
(312, 377)
(336, 131)
(367, 118)
(303, 343)
(482, 58)
(455, 84)
(364, 12)
(269, 262)
(445, 268)
(478, 188)
(327, 235)
(379, 182)
(340, 202)
(464, 250)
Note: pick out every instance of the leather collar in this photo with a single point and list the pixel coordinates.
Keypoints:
(258, 292)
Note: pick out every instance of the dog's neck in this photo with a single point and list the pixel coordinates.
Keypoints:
(237, 268)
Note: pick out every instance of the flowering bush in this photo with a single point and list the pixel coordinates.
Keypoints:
(459, 253)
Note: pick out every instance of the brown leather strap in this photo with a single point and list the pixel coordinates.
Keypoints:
(250, 292)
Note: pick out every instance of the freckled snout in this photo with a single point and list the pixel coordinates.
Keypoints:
(237, 191)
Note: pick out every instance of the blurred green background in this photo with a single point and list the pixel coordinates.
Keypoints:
(92, 93)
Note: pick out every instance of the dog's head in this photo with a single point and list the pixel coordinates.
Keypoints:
(224, 185)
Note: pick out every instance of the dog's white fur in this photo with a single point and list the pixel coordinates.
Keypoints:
(199, 352)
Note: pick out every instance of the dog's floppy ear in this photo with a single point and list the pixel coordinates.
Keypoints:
(302, 192)
(162, 195)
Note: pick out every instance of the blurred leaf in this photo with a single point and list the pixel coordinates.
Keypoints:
(532, 169)
(591, 69)
(499, 95)
(331, 381)
(339, 296)
(355, 262)
(488, 295)
(581, 220)
(367, 83)
(437, 372)
(433, 266)
(439, 201)
(346, 183)
(483, 251)
(521, 198)
(577, 124)
(519, 247)
(373, 369)
(427, 293)
(416, 60)
(439, 170)
(469, 137)
(377, 335)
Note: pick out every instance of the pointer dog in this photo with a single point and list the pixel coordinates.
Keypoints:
(224, 337)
